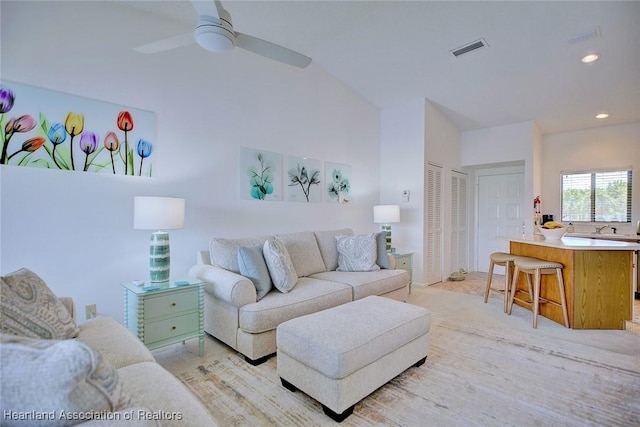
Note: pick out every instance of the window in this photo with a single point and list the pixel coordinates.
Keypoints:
(596, 196)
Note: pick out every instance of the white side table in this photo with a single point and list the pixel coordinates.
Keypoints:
(165, 315)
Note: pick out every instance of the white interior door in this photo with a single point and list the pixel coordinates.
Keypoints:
(459, 237)
(433, 228)
(500, 213)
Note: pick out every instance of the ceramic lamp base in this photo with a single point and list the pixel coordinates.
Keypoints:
(387, 228)
(159, 259)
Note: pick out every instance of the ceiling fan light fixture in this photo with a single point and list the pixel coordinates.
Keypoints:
(215, 35)
(588, 59)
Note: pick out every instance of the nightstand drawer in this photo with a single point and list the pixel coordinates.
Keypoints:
(170, 328)
(170, 304)
(403, 262)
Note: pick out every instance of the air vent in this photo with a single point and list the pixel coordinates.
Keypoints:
(469, 47)
(588, 35)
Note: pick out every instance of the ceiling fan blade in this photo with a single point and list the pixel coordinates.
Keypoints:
(207, 7)
(271, 50)
(166, 44)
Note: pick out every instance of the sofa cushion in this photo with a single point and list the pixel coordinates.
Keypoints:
(29, 308)
(224, 252)
(151, 386)
(309, 295)
(283, 274)
(118, 346)
(253, 266)
(367, 283)
(304, 252)
(328, 246)
(52, 376)
(357, 253)
(381, 249)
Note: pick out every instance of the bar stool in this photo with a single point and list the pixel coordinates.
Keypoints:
(538, 268)
(505, 260)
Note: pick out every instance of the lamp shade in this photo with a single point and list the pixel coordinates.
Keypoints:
(386, 214)
(158, 213)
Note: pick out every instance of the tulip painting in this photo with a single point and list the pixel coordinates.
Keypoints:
(66, 131)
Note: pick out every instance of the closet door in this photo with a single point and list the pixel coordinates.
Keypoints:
(459, 217)
(433, 227)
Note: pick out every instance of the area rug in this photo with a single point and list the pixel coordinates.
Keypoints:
(478, 373)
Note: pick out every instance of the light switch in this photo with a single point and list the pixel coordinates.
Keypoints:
(405, 195)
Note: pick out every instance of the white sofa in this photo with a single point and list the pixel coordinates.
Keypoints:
(96, 373)
(234, 314)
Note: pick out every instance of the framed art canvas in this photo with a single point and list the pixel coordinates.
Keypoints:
(260, 175)
(48, 129)
(304, 180)
(338, 182)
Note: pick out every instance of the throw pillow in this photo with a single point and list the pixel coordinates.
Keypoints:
(29, 308)
(280, 266)
(357, 253)
(252, 265)
(381, 247)
(327, 244)
(223, 253)
(56, 377)
(304, 252)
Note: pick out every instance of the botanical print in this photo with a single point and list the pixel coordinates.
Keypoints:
(48, 129)
(338, 185)
(304, 180)
(260, 174)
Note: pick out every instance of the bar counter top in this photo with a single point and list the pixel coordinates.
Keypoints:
(597, 275)
(576, 243)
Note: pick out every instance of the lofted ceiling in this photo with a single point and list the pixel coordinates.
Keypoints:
(391, 52)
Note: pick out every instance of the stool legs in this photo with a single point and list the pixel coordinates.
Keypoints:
(507, 282)
(534, 290)
(489, 278)
(536, 296)
(563, 298)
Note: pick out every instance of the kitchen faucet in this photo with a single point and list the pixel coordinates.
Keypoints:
(599, 229)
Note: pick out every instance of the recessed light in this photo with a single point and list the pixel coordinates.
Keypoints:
(602, 116)
(588, 59)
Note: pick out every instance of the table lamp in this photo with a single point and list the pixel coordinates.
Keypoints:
(158, 213)
(385, 215)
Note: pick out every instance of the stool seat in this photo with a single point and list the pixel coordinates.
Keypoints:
(533, 263)
(505, 260)
(500, 257)
(537, 268)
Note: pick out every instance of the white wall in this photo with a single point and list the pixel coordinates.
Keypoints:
(411, 135)
(505, 145)
(401, 153)
(75, 229)
(600, 148)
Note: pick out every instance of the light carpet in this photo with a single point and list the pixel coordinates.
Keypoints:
(484, 368)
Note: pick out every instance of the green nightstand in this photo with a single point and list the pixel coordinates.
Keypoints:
(405, 262)
(165, 314)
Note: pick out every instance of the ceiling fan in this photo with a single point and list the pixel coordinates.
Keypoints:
(214, 32)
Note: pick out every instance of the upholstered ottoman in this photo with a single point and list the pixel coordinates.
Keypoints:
(341, 355)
